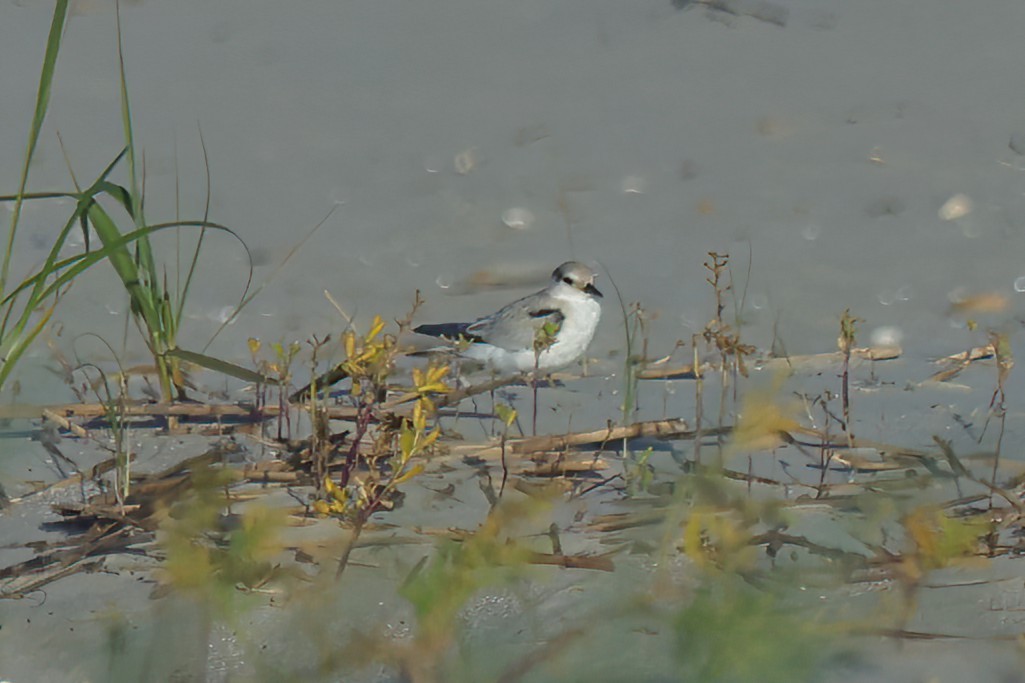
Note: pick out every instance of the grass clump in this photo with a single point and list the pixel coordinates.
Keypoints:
(731, 632)
(157, 308)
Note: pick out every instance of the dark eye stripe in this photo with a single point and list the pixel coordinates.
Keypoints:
(567, 280)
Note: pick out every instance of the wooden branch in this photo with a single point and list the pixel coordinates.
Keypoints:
(598, 562)
(663, 429)
(560, 467)
(873, 353)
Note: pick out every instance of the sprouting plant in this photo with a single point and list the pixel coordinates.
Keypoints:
(278, 371)
(780, 643)
(826, 449)
(213, 571)
(281, 369)
(765, 421)
(321, 445)
(114, 402)
(719, 539)
(439, 589)
(282, 365)
(544, 336)
(721, 336)
(634, 324)
(1001, 344)
(115, 411)
(507, 414)
(846, 341)
(936, 540)
(717, 268)
(261, 365)
(699, 398)
(368, 480)
(636, 355)
(639, 474)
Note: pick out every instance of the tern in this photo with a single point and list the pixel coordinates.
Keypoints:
(543, 331)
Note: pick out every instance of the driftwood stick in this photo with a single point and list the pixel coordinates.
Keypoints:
(61, 412)
(673, 428)
(598, 562)
(872, 353)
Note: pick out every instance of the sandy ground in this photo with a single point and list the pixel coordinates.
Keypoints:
(859, 155)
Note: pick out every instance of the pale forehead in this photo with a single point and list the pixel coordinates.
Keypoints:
(574, 270)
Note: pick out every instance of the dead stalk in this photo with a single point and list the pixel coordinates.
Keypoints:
(1005, 362)
(699, 385)
(848, 329)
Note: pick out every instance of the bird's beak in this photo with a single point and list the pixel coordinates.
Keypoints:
(592, 290)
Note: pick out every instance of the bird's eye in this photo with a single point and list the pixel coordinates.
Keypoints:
(567, 281)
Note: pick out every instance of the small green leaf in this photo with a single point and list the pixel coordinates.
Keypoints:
(507, 414)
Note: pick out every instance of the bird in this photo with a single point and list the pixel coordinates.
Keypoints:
(543, 331)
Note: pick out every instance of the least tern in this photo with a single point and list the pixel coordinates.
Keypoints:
(544, 331)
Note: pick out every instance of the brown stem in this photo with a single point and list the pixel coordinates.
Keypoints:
(505, 467)
(343, 561)
(698, 401)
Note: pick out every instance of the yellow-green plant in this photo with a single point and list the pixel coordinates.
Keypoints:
(936, 540)
(210, 564)
(369, 476)
(731, 632)
(440, 589)
(397, 442)
(507, 414)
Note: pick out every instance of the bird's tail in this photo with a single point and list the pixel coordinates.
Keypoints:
(444, 330)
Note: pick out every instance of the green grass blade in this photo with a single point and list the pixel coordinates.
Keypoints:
(126, 124)
(143, 249)
(68, 269)
(218, 365)
(9, 336)
(184, 292)
(60, 13)
(49, 281)
(144, 287)
(124, 265)
(16, 350)
(49, 267)
(36, 195)
(123, 197)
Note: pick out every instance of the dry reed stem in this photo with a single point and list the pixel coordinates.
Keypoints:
(873, 353)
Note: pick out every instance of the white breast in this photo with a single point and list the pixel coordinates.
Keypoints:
(582, 313)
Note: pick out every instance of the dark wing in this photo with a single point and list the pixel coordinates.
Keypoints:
(452, 331)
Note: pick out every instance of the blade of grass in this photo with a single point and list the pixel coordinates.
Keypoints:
(126, 124)
(73, 266)
(147, 277)
(53, 41)
(14, 353)
(221, 366)
(123, 263)
(184, 293)
(14, 339)
(9, 337)
(36, 195)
